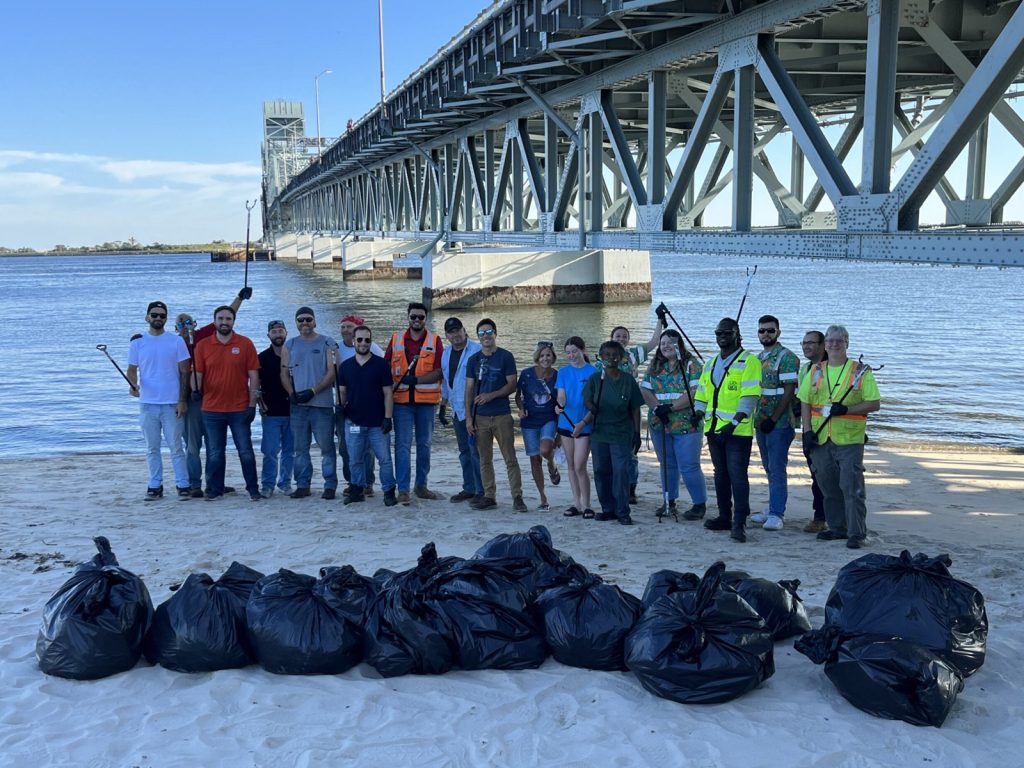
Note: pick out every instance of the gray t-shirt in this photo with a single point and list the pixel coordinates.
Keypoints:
(309, 361)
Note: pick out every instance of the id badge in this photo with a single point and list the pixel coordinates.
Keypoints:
(826, 410)
(354, 429)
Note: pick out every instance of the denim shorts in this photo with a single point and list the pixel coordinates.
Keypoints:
(533, 437)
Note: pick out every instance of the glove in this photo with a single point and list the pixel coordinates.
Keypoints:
(662, 412)
(808, 442)
(245, 294)
(661, 311)
(196, 397)
(695, 419)
(385, 426)
(442, 415)
(294, 398)
(636, 443)
(726, 431)
(766, 426)
(838, 409)
(408, 380)
(304, 396)
(250, 415)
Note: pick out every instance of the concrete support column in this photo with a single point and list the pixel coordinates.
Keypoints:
(325, 249)
(284, 246)
(504, 276)
(374, 259)
(304, 246)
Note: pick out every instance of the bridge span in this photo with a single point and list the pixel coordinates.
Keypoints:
(541, 153)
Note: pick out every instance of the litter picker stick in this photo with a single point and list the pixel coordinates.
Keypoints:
(248, 216)
(103, 348)
(750, 276)
(683, 334)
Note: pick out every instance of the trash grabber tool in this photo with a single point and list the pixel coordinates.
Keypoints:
(683, 334)
(103, 348)
(248, 217)
(750, 276)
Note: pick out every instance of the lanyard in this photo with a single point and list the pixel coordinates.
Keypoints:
(832, 387)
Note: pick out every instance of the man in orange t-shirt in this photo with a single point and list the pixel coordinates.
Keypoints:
(228, 372)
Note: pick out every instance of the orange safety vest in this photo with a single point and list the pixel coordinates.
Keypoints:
(428, 394)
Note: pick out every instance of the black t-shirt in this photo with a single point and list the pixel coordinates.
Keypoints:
(453, 364)
(491, 373)
(364, 389)
(270, 382)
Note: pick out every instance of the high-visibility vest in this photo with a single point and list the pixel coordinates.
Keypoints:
(428, 394)
(848, 428)
(742, 379)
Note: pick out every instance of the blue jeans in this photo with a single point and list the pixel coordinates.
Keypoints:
(731, 457)
(359, 440)
(217, 425)
(611, 476)
(309, 422)
(346, 467)
(681, 455)
(194, 431)
(154, 420)
(418, 417)
(469, 459)
(774, 448)
(277, 440)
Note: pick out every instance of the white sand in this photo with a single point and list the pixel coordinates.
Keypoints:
(966, 504)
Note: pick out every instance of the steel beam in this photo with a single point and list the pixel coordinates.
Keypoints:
(595, 167)
(620, 148)
(657, 118)
(879, 95)
(743, 149)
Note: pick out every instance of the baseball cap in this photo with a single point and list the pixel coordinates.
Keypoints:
(275, 324)
(304, 311)
(452, 324)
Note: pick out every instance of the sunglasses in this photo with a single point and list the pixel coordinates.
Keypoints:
(158, 315)
(303, 319)
(768, 330)
(545, 345)
(485, 332)
(729, 332)
(365, 340)
(417, 317)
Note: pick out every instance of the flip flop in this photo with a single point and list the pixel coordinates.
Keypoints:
(571, 512)
(588, 514)
(554, 474)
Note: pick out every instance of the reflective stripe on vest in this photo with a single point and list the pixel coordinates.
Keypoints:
(852, 383)
(427, 394)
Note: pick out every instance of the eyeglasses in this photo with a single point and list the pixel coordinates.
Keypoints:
(158, 315)
(303, 319)
(417, 317)
(768, 330)
(835, 341)
(485, 332)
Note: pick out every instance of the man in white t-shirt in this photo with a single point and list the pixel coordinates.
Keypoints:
(158, 369)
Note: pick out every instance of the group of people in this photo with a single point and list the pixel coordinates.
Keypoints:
(198, 384)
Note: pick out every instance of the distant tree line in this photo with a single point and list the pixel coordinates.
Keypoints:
(131, 245)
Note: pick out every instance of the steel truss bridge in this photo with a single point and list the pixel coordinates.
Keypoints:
(614, 124)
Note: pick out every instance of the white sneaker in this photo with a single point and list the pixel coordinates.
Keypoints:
(759, 517)
(773, 523)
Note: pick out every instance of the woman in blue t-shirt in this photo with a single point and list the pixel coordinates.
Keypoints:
(535, 398)
(571, 380)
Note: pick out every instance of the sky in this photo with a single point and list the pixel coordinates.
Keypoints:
(144, 120)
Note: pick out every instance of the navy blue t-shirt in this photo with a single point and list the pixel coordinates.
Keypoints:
(364, 389)
(490, 373)
(538, 397)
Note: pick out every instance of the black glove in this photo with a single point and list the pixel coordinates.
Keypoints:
(442, 415)
(250, 415)
(385, 426)
(408, 380)
(294, 398)
(636, 443)
(808, 442)
(727, 430)
(245, 294)
(304, 396)
(838, 409)
(695, 419)
(766, 426)
(662, 412)
(661, 311)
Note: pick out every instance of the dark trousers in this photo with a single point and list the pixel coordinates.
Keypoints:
(730, 457)
(818, 497)
(611, 476)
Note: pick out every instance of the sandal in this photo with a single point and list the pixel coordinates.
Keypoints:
(588, 514)
(571, 512)
(544, 508)
(554, 474)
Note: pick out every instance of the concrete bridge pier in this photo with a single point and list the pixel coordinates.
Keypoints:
(326, 249)
(304, 247)
(502, 276)
(285, 246)
(366, 259)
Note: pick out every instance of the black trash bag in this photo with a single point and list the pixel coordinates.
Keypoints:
(586, 621)
(777, 602)
(914, 598)
(486, 606)
(666, 582)
(886, 676)
(202, 627)
(414, 578)
(703, 646)
(95, 624)
(301, 625)
(550, 566)
(406, 634)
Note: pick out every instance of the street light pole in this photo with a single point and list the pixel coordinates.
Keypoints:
(316, 87)
(380, 27)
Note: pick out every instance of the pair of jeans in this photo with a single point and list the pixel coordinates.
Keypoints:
(154, 420)
(680, 455)
(309, 422)
(611, 476)
(418, 417)
(362, 439)
(217, 425)
(346, 467)
(731, 458)
(774, 448)
(277, 441)
(840, 471)
(500, 428)
(194, 431)
(469, 459)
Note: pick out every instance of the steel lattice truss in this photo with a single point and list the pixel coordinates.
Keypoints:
(493, 139)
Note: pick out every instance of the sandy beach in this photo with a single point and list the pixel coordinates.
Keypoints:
(967, 504)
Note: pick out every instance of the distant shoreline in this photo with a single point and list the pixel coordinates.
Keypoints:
(142, 252)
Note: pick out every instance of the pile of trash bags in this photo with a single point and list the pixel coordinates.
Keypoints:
(901, 634)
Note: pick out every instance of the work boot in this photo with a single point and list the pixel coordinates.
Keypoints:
(718, 523)
(422, 492)
(696, 512)
(815, 526)
(367, 491)
(461, 496)
(519, 505)
(154, 493)
(737, 534)
(404, 498)
(389, 498)
(483, 502)
(329, 493)
(355, 495)
(299, 493)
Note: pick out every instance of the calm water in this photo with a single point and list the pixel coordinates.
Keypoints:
(952, 372)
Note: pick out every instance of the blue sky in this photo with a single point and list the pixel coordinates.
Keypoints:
(143, 119)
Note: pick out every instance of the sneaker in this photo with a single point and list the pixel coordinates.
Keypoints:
(696, 512)
(422, 492)
(828, 535)
(604, 517)
(738, 535)
(266, 493)
(229, 489)
(154, 493)
(815, 526)
(299, 493)
(328, 494)
(197, 493)
(389, 498)
(543, 507)
(213, 496)
(285, 489)
(718, 524)
(773, 523)
(759, 517)
(255, 496)
(404, 497)
(519, 505)
(483, 502)
(184, 493)
(855, 542)
(627, 520)
(462, 496)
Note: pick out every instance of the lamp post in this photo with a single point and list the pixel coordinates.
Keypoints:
(316, 87)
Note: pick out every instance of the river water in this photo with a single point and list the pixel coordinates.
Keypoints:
(945, 335)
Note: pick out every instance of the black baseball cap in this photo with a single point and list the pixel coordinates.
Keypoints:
(304, 311)
(452, 324)
(275, 324)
